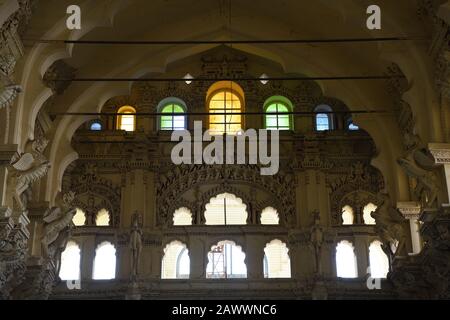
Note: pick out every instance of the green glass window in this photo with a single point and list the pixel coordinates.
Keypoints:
(172, 121)
(277, 121)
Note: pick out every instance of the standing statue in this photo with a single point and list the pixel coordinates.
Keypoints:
(56, 220)
(317, 240)
(135, 245)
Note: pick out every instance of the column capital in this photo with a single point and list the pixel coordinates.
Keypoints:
(440, 152)
(409, 210)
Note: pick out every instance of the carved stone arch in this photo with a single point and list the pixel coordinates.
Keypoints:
(273, 203)
(103, 190)
(100, 202)
(171, 239)
(238, 240)
(181, 203)
(361, 178)
(284, 239)
(358, 199)
(175, 182)
(206, 197)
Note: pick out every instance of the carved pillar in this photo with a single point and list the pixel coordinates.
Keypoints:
(254, 258)
(362, 255)
(13, 252)
(441, 154)
(411, 211)
(88, 248)
(39, 280)
(197, 252)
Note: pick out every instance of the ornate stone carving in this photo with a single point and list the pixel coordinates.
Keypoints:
(135, 245)
(58, 70)
(357, 188)
(440, 152)
(427, 275)
(13, 253)
(39, 280)
(25, 170)
(317, 240)
(93, 192)
(57, 220)
(419, 166)
(173, 184)
(390, 227)
(409, 210)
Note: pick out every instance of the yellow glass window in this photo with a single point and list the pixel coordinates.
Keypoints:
(126, 120)
(226, 104)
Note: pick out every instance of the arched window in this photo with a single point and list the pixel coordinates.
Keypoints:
(182, 217)
(225, 98)
(278, 121)
(368, 209)
(226, 260)
(105, 262)
(70, 262)
(351, 126)
(102, 218)
(96, 126)
(226, 209)
(277, 259)
(348, 217)
(270, 216)
(324, 119)
(171, 121)
(126, 120)
(379, 262)
(346, 260)
(176, 262)
(79, 219)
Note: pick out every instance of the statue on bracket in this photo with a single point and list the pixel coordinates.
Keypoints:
(419, 166)
(57, 221)
(25, 170)
(390, 227)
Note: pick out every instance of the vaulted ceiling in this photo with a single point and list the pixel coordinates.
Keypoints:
(242, 20)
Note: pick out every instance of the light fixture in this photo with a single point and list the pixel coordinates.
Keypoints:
(188, 78)
(263, 78)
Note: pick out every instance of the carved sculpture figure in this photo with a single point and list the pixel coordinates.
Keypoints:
(416, 164)
(389, 226)
(135, 246)
(317, 239)
(57, 219)
(25, 170)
